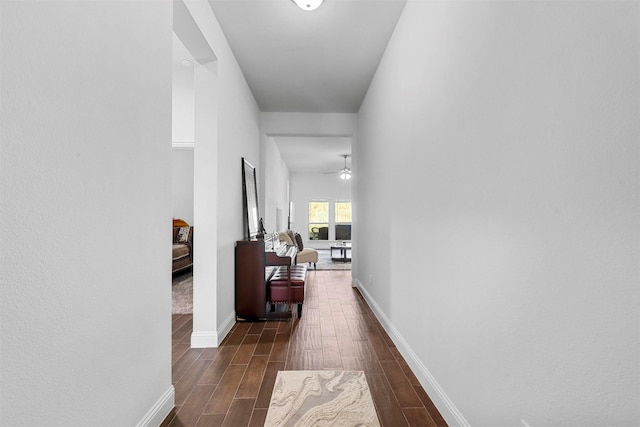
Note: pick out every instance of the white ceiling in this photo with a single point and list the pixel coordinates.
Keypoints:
(318, 62)
(314, 154)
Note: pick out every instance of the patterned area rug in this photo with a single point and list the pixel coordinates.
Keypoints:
(322, 398)
(326, 263)
(182, 293)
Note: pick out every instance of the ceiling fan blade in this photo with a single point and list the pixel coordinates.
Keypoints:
(345, 169)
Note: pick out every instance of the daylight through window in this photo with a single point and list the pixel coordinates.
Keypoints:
(319, 220)
(343, 220)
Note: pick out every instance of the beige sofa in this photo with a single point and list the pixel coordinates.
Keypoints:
(305, 255)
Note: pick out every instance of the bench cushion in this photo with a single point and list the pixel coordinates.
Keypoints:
(298, 274)
(278, 289)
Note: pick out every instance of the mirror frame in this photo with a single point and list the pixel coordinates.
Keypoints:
(250, 200)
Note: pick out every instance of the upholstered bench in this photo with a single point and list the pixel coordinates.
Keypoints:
(278, 286)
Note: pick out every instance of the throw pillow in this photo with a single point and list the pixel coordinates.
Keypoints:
(299, 241)
(183, 235)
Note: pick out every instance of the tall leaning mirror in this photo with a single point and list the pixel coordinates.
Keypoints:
(250, 200)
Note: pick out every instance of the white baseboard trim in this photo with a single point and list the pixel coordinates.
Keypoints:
(226, 326)
(160, 410)
(208, 339)
(447, 409)
(204, 339)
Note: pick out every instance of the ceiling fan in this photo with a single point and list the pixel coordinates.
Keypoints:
(345, 172)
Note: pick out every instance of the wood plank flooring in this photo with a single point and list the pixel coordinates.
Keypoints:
(231, 385)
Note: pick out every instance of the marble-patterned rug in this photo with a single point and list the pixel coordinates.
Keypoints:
(321, 398)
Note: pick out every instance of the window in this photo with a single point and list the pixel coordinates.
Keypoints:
(318, 220)
(343, 220)
(343, 212)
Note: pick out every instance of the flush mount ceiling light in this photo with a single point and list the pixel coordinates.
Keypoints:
(308, 4)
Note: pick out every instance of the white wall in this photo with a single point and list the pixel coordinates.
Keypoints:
(183, 95)
(312, 186)
(501, 226)
(182, 184)
(85, 255)
(237, 121)
(275, 174)
(182, 131)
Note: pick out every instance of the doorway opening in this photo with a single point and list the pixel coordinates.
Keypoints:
(182, 178)
(201, 126)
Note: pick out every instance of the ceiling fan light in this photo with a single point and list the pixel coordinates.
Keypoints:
(345, 175)
(308, 4)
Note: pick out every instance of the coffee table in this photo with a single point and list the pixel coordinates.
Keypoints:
(344, 248)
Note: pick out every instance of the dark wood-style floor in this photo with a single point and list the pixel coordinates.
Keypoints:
(231, 385)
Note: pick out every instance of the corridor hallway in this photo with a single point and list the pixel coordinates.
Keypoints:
(231, 385)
